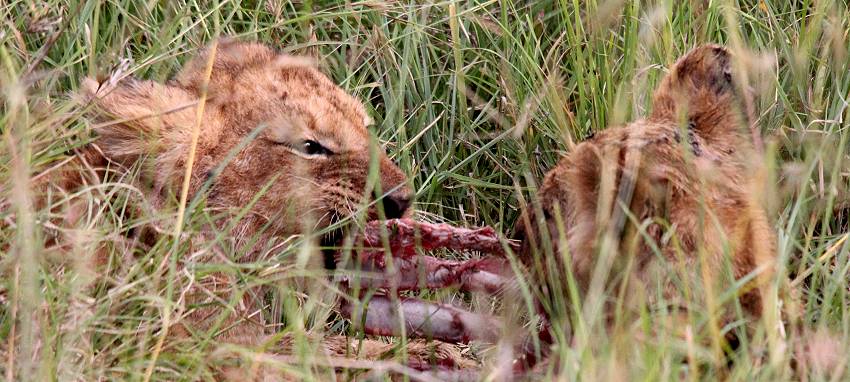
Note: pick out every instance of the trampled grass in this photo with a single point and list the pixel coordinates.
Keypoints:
(474, 100)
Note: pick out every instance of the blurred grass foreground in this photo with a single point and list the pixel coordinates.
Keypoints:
(475, 101)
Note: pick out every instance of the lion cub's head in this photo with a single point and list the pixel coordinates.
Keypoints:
(271, 125)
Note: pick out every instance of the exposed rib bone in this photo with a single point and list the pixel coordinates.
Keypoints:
(488, 274)
(422, 319)
(404, 234)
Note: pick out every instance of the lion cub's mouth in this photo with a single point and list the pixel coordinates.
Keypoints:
(331, 243)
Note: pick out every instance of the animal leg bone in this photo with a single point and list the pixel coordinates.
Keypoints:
(386, 316)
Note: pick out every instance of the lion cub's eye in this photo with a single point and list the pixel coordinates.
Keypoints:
(312, 147)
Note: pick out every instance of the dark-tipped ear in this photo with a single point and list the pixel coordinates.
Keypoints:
(701, 91)
(135, 118)
(229, 58)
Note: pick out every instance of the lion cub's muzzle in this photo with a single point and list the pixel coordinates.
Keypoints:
(398, 196)
(396, 205)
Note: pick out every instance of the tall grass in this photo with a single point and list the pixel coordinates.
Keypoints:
(475, 100)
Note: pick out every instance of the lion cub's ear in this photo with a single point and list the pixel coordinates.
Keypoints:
(701, 91)
(231, 58)
(136, 118)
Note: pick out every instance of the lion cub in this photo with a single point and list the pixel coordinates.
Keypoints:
(271, 125)
(671, 197)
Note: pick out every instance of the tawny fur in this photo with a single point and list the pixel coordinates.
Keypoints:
(688, 171)
(284, 100)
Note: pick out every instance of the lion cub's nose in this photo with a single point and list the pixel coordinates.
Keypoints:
(396, 205)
